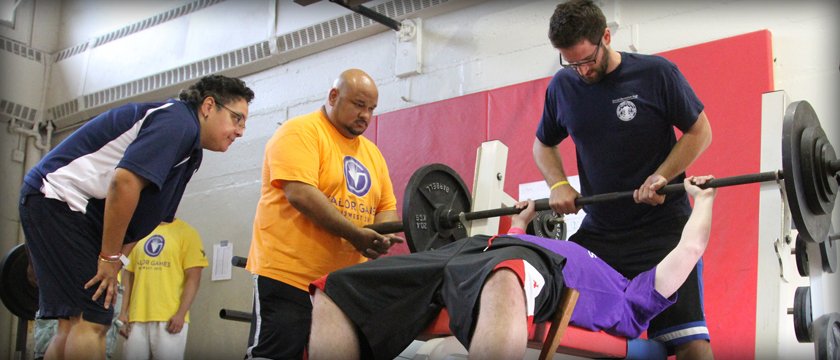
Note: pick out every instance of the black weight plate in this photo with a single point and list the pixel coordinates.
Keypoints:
(16, 293)
(829, 179)
(820, 186)
(802, 315)
(801, 252)
(549, 225)
(828, 252)
(808, 165)
(826, 337)
(431, 190)
(798, 117)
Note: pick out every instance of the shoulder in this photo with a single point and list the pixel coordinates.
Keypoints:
(185, 228)
(650, 63)
(563, 77)
(309, 124)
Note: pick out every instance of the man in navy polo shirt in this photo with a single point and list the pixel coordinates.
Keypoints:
(620, 110)
(107, 186)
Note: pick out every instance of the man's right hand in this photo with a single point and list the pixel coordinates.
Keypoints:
(125, 328)
(373, 244)
(562, 200)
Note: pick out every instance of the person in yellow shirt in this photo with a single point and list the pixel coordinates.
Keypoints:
(321, 183)
(161, 281)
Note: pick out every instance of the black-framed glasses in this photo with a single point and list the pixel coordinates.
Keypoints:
(578, 64)
(239, 118)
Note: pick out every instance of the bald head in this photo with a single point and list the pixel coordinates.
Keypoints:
(355, 79)
(350, 103)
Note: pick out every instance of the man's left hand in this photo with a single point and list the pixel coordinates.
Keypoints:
(175, 324)
(647, 192)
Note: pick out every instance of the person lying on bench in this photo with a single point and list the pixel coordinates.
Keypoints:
(494, 288)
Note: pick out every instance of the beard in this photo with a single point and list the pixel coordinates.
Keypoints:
(600, 71)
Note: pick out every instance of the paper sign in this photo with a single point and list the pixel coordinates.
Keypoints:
(222, 256)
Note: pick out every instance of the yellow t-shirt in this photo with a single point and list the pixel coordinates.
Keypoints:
(351, 173)
(158, 262)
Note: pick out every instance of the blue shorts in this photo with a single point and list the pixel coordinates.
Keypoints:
(64, 246)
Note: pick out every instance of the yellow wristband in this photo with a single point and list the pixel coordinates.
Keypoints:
(564, 182)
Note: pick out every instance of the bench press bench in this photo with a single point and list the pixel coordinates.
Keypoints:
(557, 336)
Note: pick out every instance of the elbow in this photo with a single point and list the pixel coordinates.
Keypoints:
(707, 139)
(539, 148)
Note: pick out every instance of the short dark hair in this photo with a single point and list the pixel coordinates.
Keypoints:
(574, 21)
(222, 89)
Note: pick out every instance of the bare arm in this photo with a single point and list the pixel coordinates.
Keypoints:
(685, 152)
(128, 283)
(678, 264)
(192, 280)
(312, 203)
(548, 160)
(521, 220)
(120, 203)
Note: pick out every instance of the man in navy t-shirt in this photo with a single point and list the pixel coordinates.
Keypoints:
(108, 185)
(620, 110)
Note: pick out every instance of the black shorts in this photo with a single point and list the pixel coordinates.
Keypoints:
(64, 246)
(281, 321)
(633, 252)
(393, 299)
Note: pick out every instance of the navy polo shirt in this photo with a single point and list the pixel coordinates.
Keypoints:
(158, 141)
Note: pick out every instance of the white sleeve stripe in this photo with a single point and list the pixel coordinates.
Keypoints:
(90, 175)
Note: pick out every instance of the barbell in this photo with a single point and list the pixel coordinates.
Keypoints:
(437, 202)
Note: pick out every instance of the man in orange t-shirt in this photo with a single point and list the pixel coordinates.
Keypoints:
(321, 183)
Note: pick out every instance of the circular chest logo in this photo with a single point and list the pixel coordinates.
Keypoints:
(356, 176)
(154, 245)
(626, 111)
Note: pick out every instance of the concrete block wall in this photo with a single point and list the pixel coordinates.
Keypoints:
(486, 46)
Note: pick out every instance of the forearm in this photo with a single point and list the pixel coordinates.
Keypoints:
(386, 216)
(312, 203)
(191, 284)
(128, 283)
(549, 162)
(699, 224)
(120, 204)
(687, 149)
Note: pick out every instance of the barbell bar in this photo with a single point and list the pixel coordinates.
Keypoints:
(543, 204)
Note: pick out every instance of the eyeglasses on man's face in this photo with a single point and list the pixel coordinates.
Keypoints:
(238, 118)
(576, 65)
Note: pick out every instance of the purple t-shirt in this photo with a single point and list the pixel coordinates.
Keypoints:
(608, 301)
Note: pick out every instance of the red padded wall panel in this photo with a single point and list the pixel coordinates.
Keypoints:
(447, 132)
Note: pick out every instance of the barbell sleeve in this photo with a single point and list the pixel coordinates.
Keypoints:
(235, 315)
(239, 261)
(542, 204)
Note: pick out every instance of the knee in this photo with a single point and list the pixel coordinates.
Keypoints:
(323, 306)
(504, 279)
(89, 328)
(504, 284)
